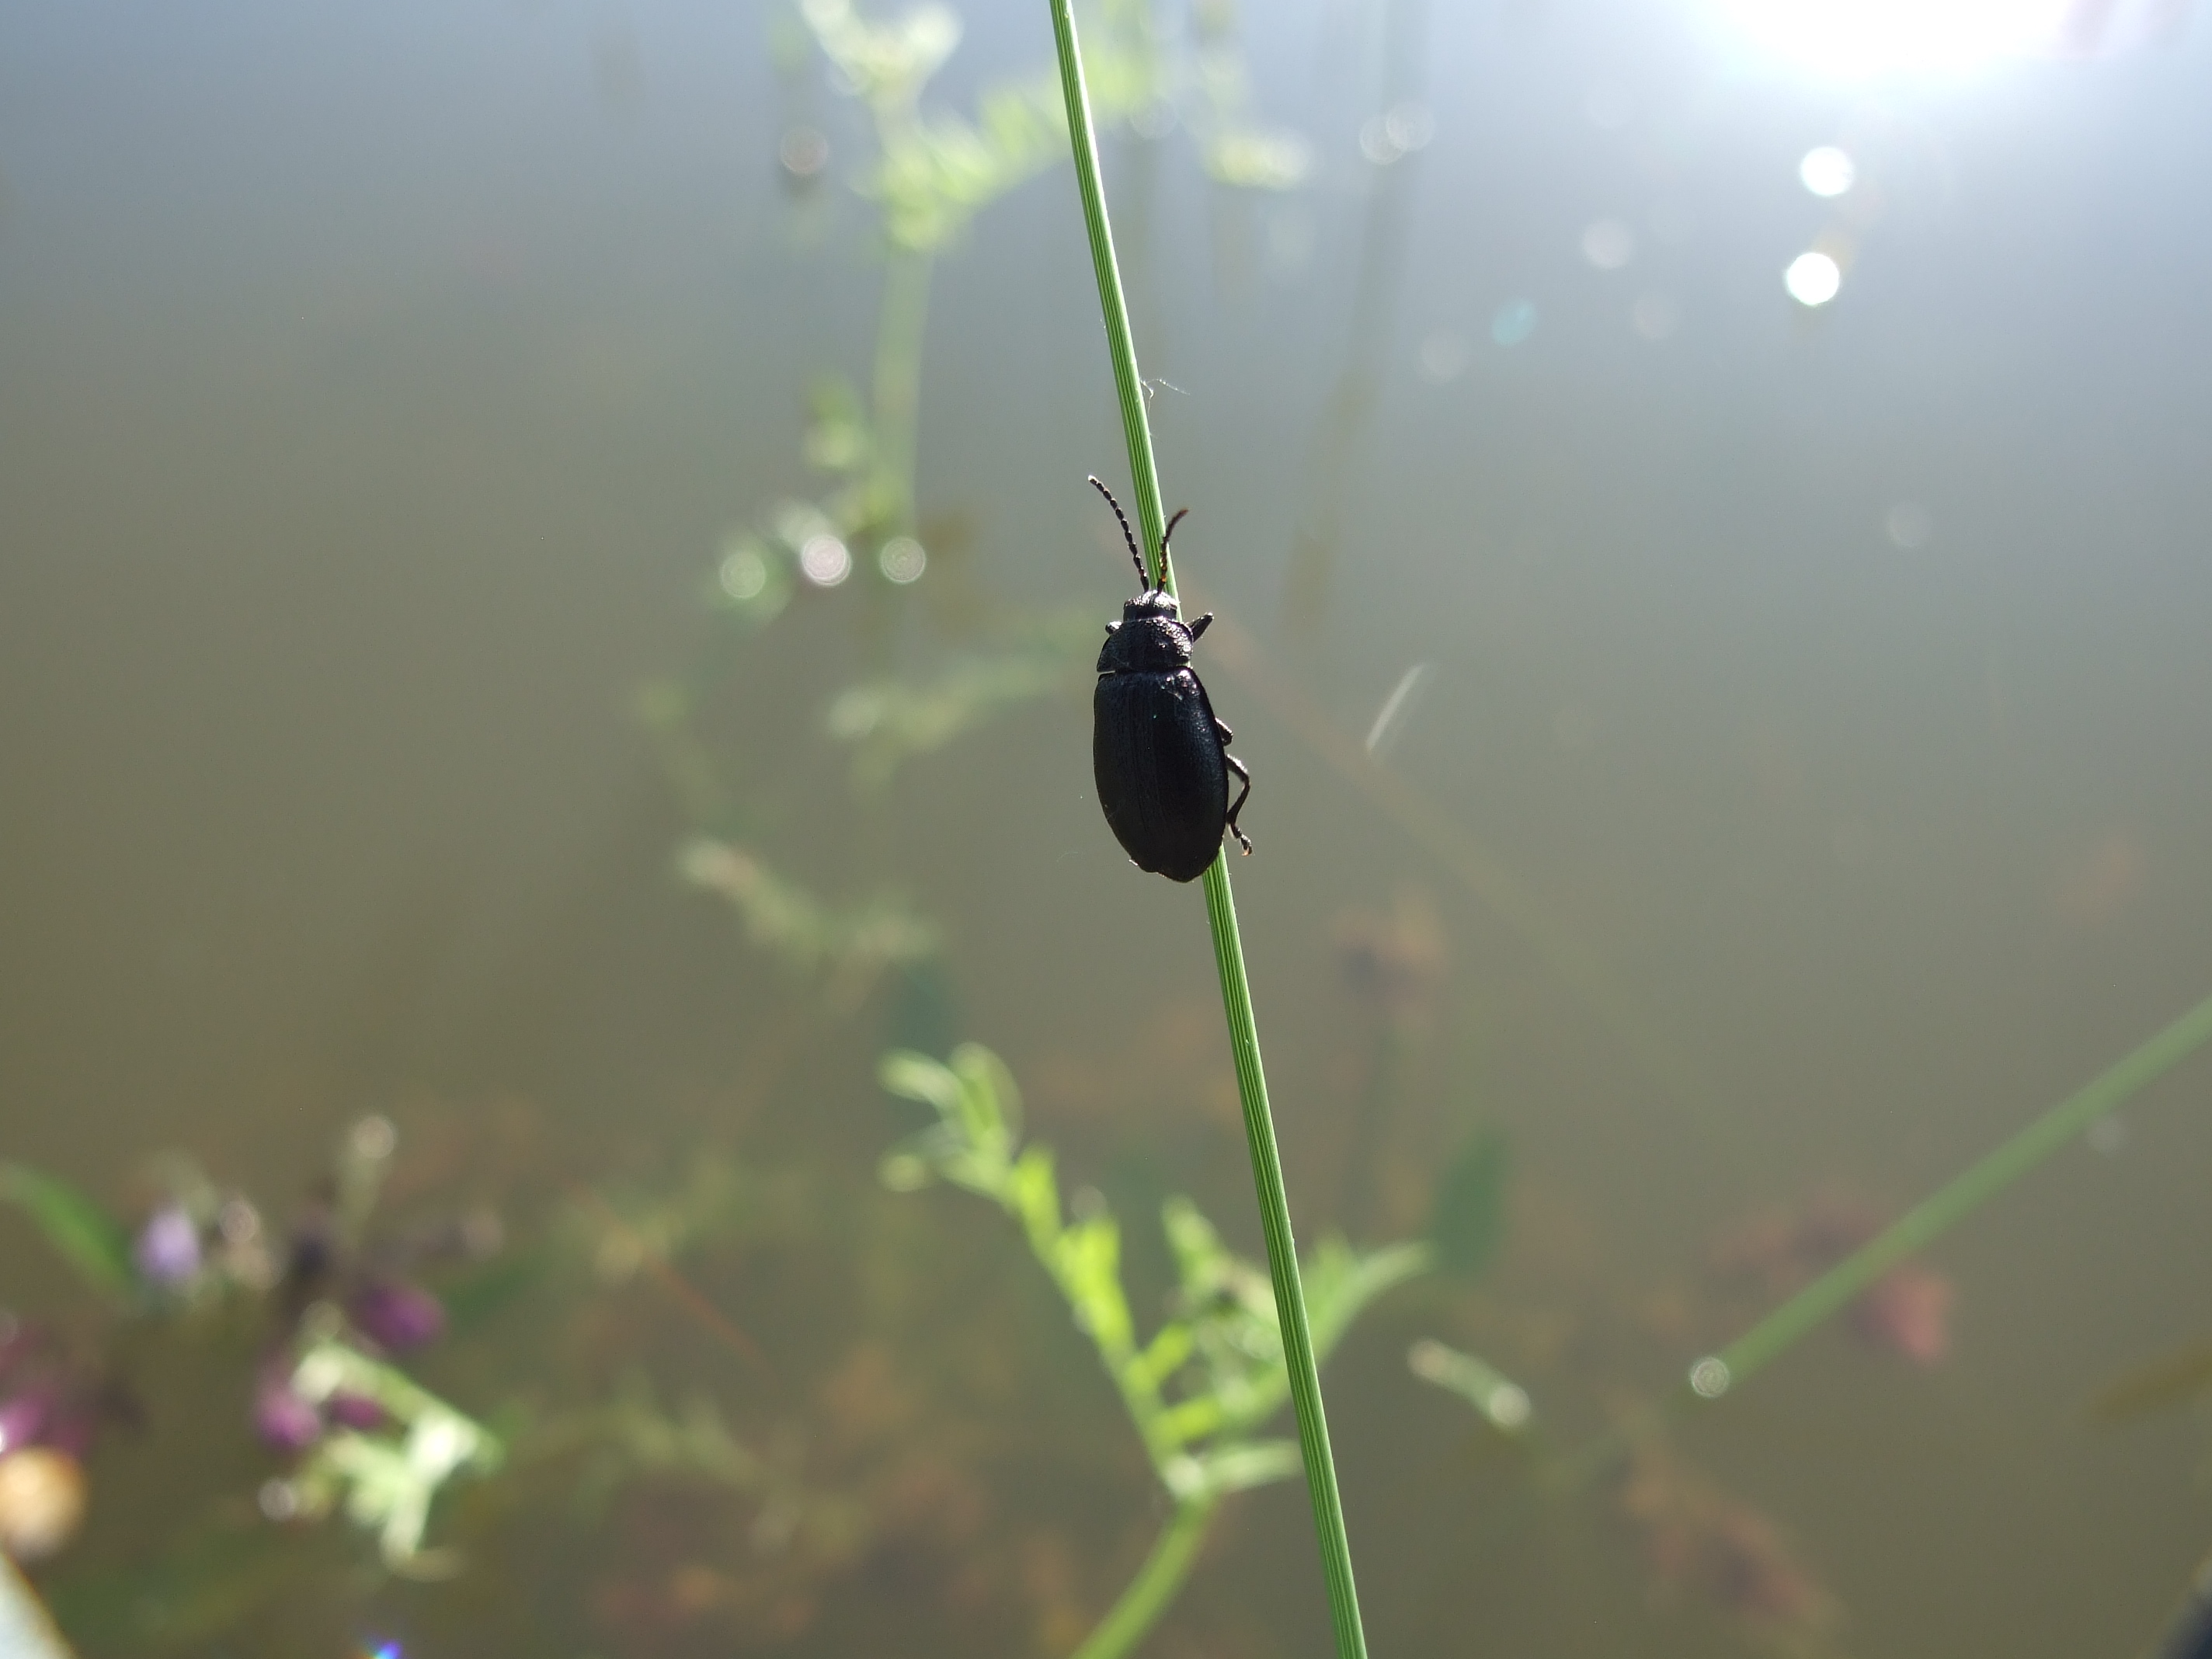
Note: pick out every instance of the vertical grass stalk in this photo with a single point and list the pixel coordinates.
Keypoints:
(1220, 907)
(900, 319)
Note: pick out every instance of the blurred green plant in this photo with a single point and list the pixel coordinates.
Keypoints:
(891, 721)
(77, 1228)
(853, 943)
(1500, 1401)
(1717, 1375)
(385, 1478)
(2180, 1377)
(634, 1435)
(1467, 1222)
(372, 1443)
(1199, 1390)
(927, 173)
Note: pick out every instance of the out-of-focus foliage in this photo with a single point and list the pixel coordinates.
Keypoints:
(890, 721)
(1700, 1540)
(2177, 1377)
(1213, 1373)
(1502, 1402)
(633, 1434)
(25, 1631)
(931, 170)
(81, 1232)
(1467, 1220)
(384, 1477)
(628, 1227)
(1238, 148)
(935, 170)
(852, 944)
(368, 1440)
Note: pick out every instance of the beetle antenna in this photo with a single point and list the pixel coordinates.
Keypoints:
(1143, 579)
(1181, 513)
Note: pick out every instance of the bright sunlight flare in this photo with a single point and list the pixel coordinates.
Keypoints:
(1860, 39)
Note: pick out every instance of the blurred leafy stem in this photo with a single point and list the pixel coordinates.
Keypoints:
(634, 1435)
(80, 1231)
(1299, 1355)
(932, 173)
(1717, 1375)
(386, 1478)
(1199, 1390)
(854, 943)
(891, 721)
(929, 172)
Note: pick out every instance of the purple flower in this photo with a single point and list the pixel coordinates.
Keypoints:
(397, 1316)
(22, 1419)
(355, 1411)
(285, 1422)
(71, 1426)
(168, 1248)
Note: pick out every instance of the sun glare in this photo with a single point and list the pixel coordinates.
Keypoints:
(1864, 39)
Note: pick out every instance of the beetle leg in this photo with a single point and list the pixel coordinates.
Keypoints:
(1226, 736)
(1200, 627)
(1237, 805)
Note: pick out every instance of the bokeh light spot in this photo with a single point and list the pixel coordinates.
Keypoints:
(1398, 131)
(1656, 317)
(1813, 279)
(1515, 322)
(1608, 244)
(1861, 40)
(744, 574)
(825, 561)
(903, 560)
(1827, 171)
(2107, 1136)
(1909, 525)
(1442, 357)
(803, 152)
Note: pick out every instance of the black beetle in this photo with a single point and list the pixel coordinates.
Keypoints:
(1160, 760)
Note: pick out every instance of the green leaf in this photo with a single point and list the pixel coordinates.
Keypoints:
(84, 1235)
(490, 1289)
(1341, 1281)
(1467, 1220)
(989, 1098)
(1248, 1464)
(1088, 1256)
(1502, 1401)
(1166, 1354)
(918, 1077)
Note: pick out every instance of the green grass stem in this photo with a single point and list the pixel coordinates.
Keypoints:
(1719, 1374)
(1221, 909)
(901, 321)
(1166, 1566)
(1956, 1199)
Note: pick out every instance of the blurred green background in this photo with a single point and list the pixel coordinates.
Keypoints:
(546, 599)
